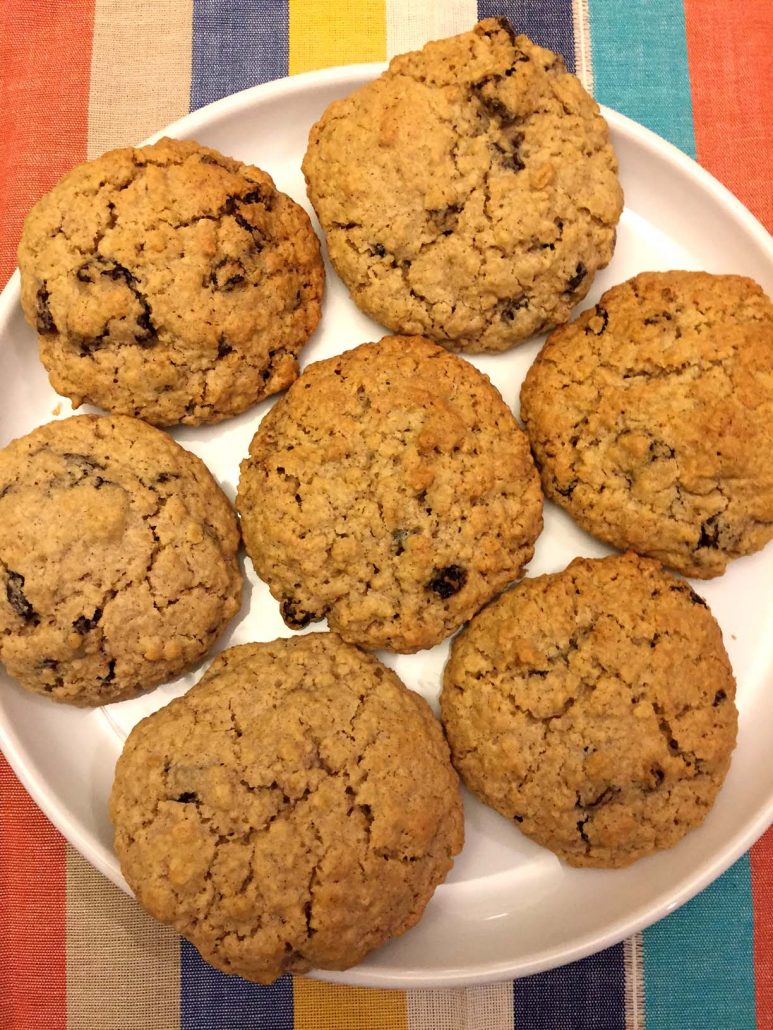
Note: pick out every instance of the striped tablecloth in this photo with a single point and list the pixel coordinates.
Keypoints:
(80, 76)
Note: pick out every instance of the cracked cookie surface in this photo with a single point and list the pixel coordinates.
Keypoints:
(470, 193)
(595, 708)
(170, 282)
(392, 491)
(118, 565)
(296, 809)
(651, 418)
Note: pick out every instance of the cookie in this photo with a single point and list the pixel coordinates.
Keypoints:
(296, 809)
(470, 193)
(118, 565)
(392, 491)
(595, 708)
(651, 418)
(170, 282)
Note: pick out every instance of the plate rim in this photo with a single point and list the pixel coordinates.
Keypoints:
(645, 914)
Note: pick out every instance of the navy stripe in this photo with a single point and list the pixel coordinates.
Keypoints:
(236, 45)
(586, 995)
(548, 23)
(211, 1001)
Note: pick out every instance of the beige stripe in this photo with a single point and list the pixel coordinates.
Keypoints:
(140, 70)
(123, 968)
(473, 1008)
(411, 25)
(634, 983)
(583, 57)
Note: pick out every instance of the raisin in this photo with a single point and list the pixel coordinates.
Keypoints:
(709, 533)
(697, 599)
(295, 616)
(83, 623)
(505, 25)
(223, 348)
(116, 272)
(148, 331)
(602, 798)
(82, 461)
(603, 314)
(495, 107)
(110, 674)
(510, 159)
(15, 594)
(187, 797)
(579, 274)
(44, 319)
(257, 237)
(448, 581)
(49, 663)
(508, 308)
(253, 197)
(567, 491)
(719, 697)
(83, 274)
(378, 250)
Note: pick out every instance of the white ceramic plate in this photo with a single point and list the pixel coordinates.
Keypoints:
(509, 907)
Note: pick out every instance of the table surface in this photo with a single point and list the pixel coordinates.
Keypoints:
(78, 77)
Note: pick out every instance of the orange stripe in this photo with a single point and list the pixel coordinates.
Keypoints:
(45, 62)
(762, 893)
(32, 900)
(731, 72)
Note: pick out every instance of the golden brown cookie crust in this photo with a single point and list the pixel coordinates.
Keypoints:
(296, 809)
(170, 282)
(470, 193)
(595, 708)
(392, 491)
(118, 565)
(651, 418)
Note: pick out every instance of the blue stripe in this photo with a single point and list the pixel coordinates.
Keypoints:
(548, 23)
(586, 995)
(236, 45)
(211, 1001)
(699, 962)
(640, 65)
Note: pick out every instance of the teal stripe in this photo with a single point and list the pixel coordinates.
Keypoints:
(699, 962)
(640, 65)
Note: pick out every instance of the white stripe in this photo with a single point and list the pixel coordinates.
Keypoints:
(583, 57)
(410, 25)
(462, 1008)
(634, 983)
(140, 70)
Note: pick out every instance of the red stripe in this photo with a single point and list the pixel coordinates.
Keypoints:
(730, 51)
(32, 908)
(731, 75)
(45, 61)
(45, 64)
(762, 894)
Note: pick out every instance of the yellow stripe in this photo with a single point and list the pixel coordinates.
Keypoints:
(140, 70)
(123, 969)
(319, 1006)
(335, 32)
